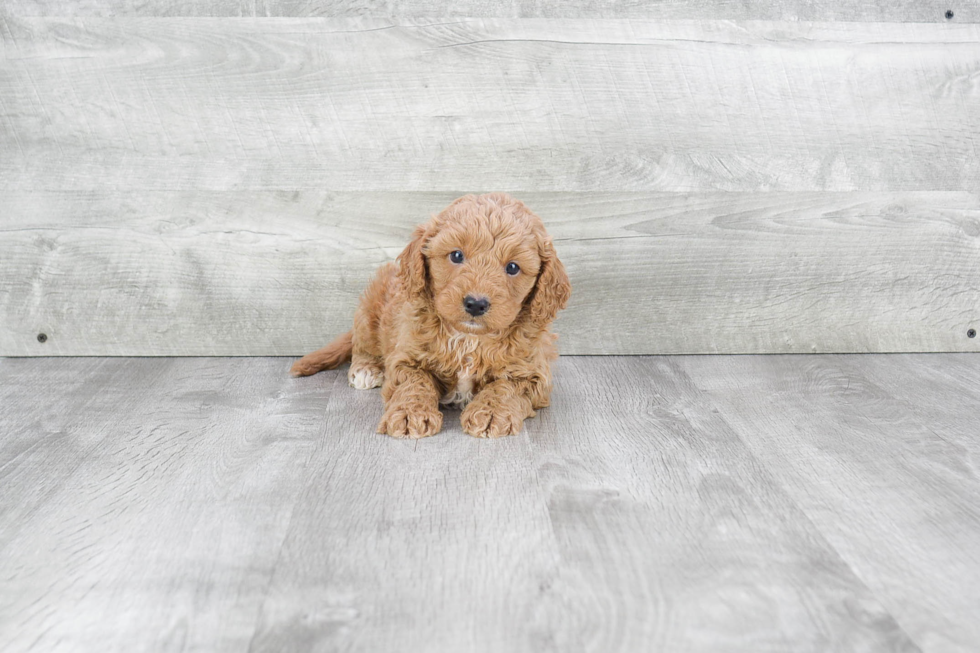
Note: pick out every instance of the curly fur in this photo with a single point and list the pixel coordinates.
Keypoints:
(413, 337)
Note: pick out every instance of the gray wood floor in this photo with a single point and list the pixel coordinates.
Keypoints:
(752, 503)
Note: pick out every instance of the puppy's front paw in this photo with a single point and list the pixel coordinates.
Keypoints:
(410, 421)
(484, 420)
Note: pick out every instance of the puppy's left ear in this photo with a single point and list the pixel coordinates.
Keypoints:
(411, 264)
(552, 290)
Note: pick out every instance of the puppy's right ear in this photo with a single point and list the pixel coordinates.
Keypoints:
(411, 264)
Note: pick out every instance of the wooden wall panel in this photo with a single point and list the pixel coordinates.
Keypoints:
(920, 11)
(519, 105)
(178, 186)
(279, 272)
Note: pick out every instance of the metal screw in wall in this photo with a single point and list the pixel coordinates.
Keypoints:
(949, 14)
(971, 333)
(42, 338)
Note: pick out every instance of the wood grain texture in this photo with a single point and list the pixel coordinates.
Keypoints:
(365, 104)
(673, 536)
(219, 505)
(144, 501)
(441, 544)
(881, 453)
(279, 273)
(918, 11)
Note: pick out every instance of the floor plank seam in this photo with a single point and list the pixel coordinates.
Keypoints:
(788, 497)
(330, 394)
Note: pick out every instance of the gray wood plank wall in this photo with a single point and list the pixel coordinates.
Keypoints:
(918, 11)
(177, 185)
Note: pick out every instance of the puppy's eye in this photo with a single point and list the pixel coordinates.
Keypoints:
(512, 268)
(456, 256)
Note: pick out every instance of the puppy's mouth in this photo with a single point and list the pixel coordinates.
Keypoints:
(472, 325)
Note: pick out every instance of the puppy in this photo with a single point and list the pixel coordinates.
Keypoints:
(461, 318)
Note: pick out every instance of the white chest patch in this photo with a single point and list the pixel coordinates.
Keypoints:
(461, 347)
(462, 394)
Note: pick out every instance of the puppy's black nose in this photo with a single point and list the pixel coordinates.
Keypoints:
(476, 306)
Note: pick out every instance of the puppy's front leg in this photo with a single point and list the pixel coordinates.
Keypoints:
(499, 409)
(411, 403)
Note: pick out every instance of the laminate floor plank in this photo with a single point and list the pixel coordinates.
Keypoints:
(810, 503)
(440, 544)
(674, 537)
(959, 374)
(881, 454)
(164, 536)
(40, 444)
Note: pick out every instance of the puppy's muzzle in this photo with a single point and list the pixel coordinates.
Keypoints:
(476, 306)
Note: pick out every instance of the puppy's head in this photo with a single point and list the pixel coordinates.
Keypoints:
(484, 263)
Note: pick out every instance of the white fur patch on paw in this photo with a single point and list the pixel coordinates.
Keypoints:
(365, 377)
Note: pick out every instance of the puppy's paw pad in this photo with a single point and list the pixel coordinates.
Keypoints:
(365, 377)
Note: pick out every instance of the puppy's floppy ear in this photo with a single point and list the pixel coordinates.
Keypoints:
(552, 290)
(411, 264)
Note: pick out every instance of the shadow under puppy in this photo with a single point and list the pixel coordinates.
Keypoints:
(461, 318)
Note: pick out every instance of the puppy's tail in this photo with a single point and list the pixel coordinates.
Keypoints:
(337, 352)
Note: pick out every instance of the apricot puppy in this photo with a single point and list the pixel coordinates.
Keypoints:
(461, 318)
